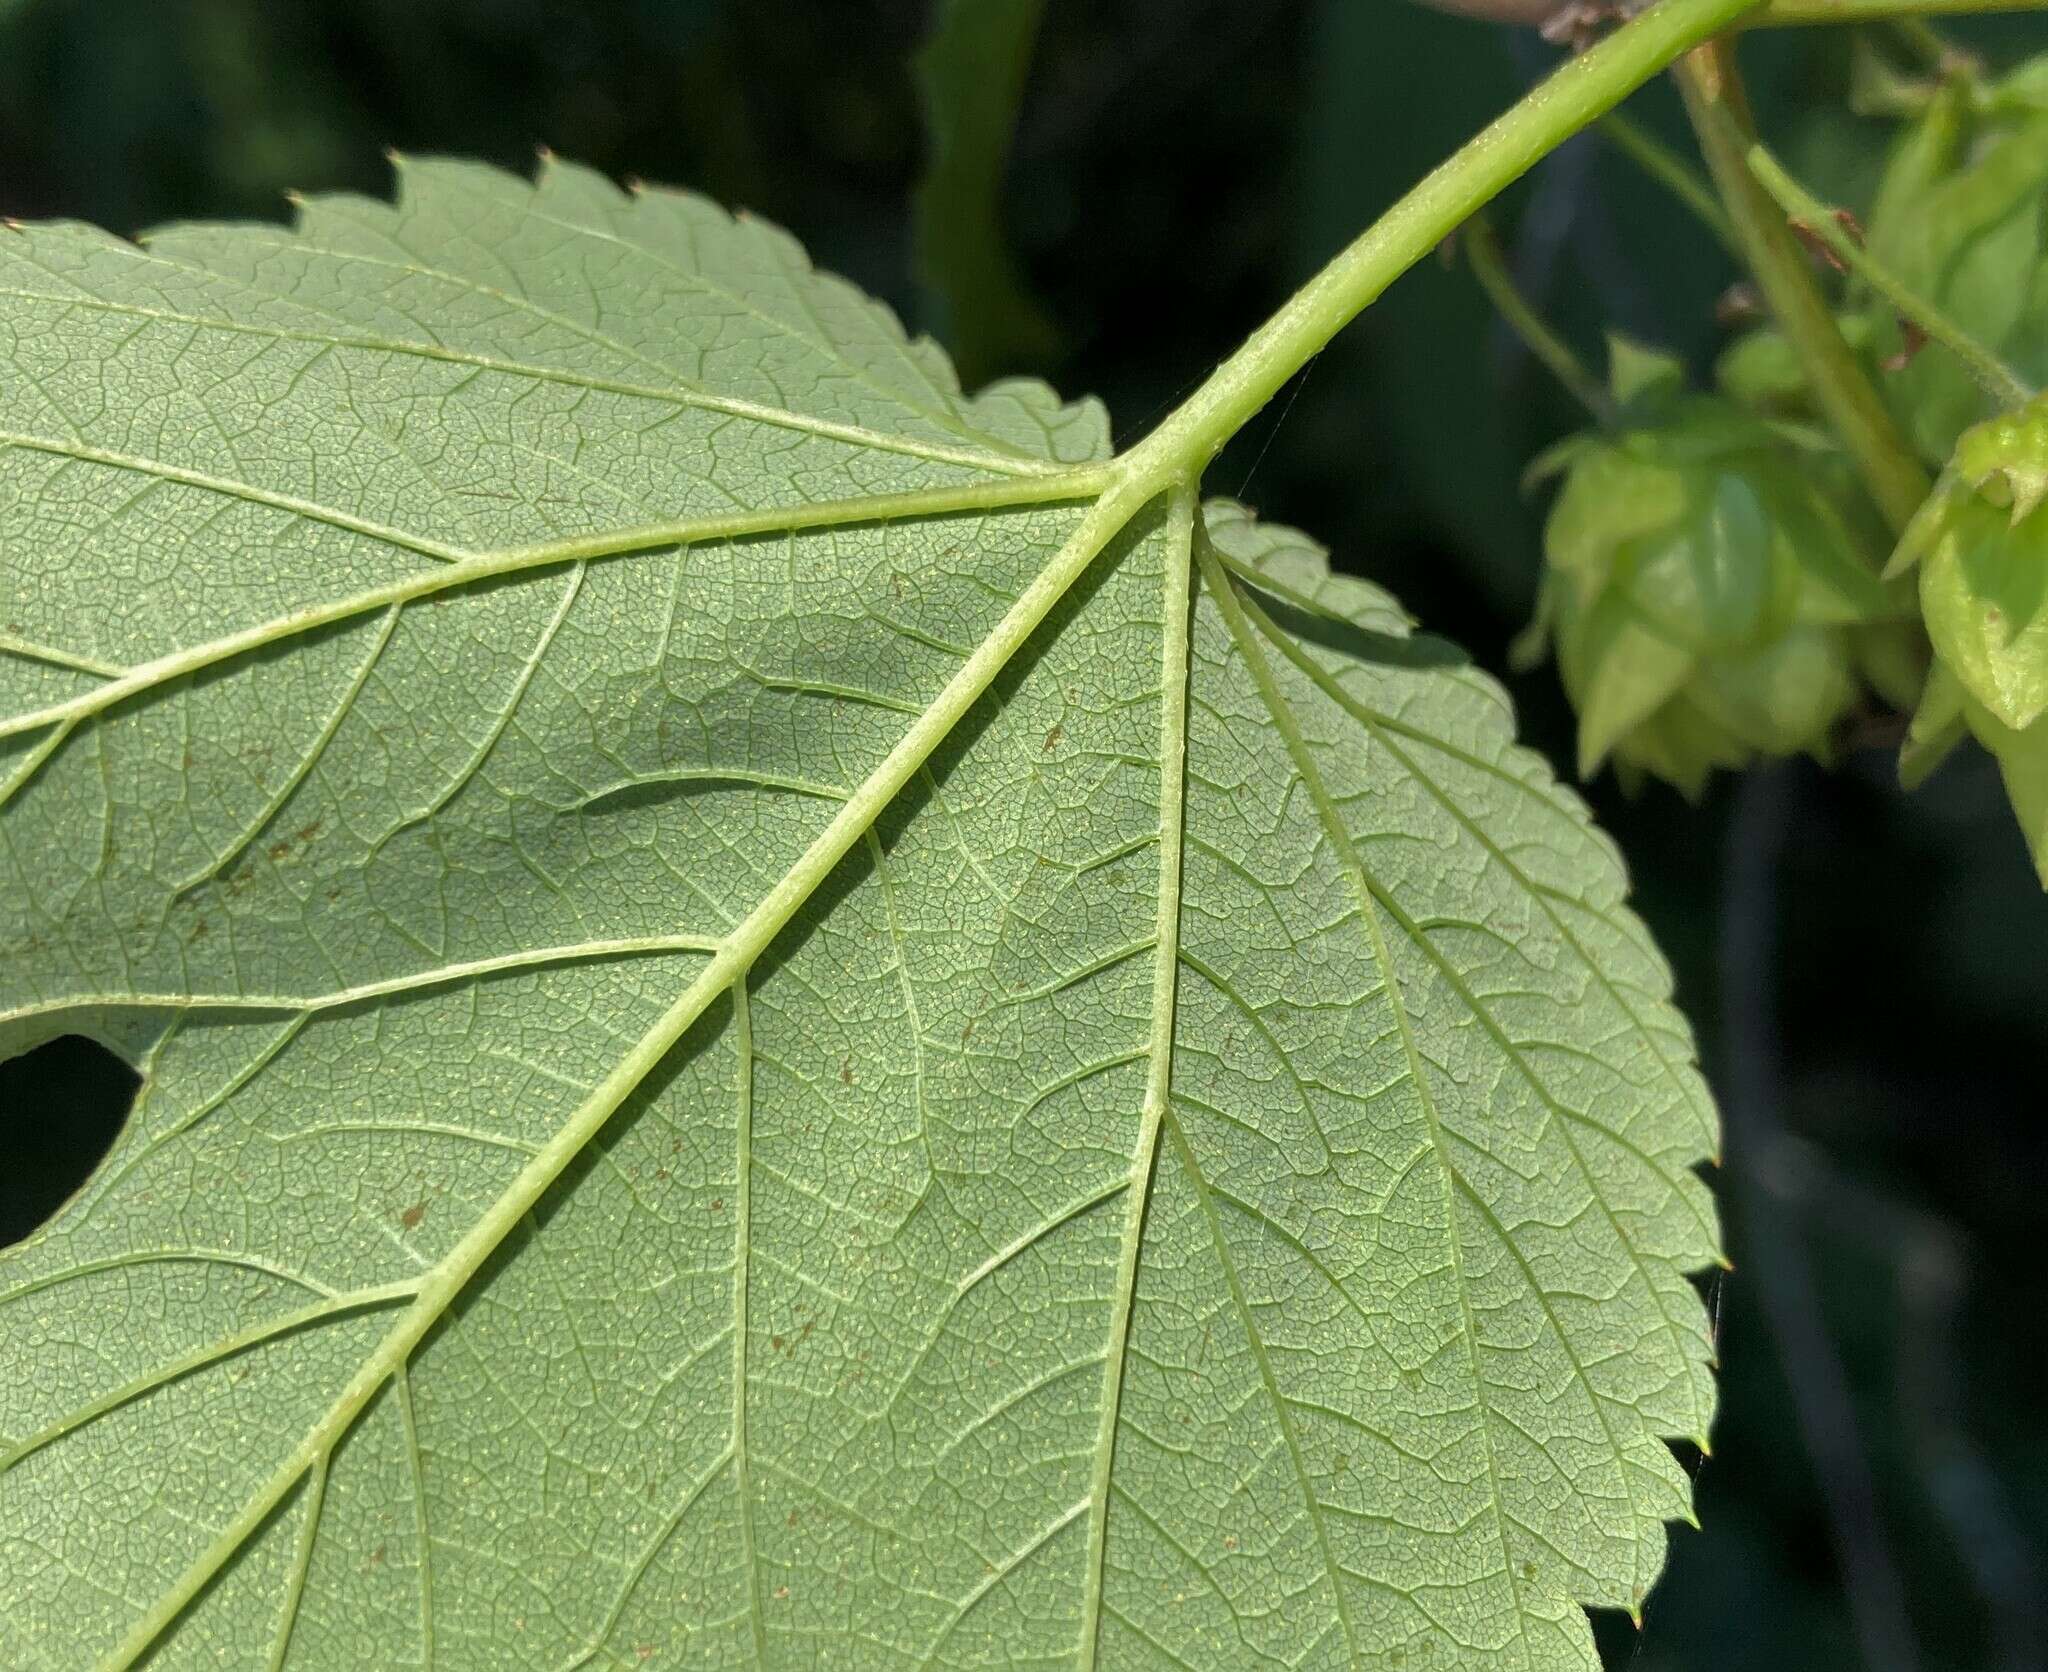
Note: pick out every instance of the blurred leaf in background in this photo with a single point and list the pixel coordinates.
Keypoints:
(971, 72)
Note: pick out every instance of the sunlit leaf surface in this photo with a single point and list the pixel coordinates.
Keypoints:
(783, 1024)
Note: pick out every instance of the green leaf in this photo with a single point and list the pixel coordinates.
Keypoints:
(780, 1026)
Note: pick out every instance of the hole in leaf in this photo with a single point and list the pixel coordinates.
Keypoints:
(61, 1107)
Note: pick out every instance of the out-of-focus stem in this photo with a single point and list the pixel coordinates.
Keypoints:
(1672, 172)
(1993, 375)
(1783, 12)
(1578, 93)
(1712, 86)
(1490, 268)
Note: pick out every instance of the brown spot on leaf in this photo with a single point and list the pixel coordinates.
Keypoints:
(282, 847)
(1052, 738)
(846, 1071)
(412, 1216)
(782, 1593)
(377, 1556)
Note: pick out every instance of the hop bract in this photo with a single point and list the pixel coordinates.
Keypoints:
(1705, 574)
(1981, 546)
(1959, 219)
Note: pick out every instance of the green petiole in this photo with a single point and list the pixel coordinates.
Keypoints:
(1807, 212)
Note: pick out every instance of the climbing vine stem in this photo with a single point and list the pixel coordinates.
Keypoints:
(1673, 173)
(1992, 375)
(1712, 86)
(1794, 12)
(1582, 90)
(1490, 268)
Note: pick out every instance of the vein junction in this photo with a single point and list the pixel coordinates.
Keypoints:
(1120, 493)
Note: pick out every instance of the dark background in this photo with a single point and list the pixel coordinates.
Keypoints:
(1869, 973)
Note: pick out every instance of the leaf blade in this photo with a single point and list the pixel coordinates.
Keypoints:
(643, 1003)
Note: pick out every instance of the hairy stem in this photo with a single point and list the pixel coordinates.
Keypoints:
(1774, 12)
(1583, 90)
(1993, 375)
(1792, 12)
(1482, 248)
(1712, 87)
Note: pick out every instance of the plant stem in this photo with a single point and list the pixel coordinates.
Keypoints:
(1847, 398)
(1672, 172)
(1582, 90)
(1938, 53)
(1482, 247)
(1781, 13)
(1993, 375)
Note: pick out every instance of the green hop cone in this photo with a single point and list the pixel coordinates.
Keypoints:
(1946, 714)
(1762, 370)
(1959, 219)
(1981, 546)
(1706, 583)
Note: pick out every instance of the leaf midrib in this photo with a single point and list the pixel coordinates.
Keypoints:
(1108, 514)
(1174, 674)
(1128, 489)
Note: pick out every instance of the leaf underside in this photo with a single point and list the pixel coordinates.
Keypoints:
(775, 1031)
